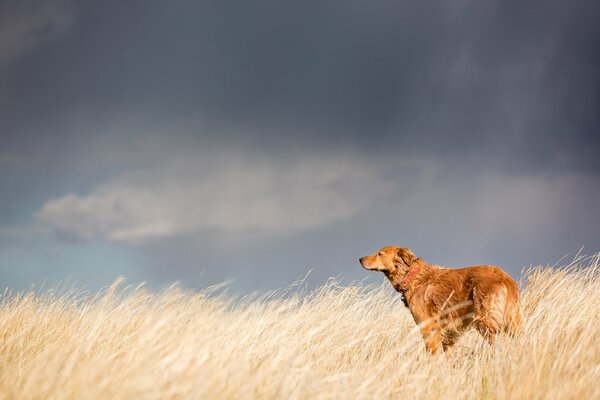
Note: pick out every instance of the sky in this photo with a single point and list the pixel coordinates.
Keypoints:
(255, 141)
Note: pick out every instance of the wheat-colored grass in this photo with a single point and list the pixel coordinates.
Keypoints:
(335, 342)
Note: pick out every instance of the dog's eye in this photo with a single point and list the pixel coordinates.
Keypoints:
(380, 254)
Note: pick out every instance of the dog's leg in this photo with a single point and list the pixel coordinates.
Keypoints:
(448, 341)
(489, 313)
(432, 335)
(488, 333)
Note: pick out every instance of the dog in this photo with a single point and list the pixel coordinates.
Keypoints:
(447, 302)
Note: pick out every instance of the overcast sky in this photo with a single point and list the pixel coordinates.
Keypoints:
(199, 141)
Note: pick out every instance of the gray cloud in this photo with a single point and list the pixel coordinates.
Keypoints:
(516, 81)
(445, 215)
(222, 193)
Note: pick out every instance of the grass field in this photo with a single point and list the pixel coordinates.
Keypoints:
(335, 342)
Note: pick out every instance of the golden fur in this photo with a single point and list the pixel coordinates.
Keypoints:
(447, 302)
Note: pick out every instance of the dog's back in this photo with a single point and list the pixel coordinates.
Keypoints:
(492, 292)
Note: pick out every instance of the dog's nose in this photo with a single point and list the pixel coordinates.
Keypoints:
(361, 260)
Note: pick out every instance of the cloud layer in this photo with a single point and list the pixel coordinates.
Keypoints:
(221, 194)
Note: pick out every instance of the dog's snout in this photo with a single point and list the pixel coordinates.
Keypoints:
(361, 261)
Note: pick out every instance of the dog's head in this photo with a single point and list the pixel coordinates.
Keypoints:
(389, 260)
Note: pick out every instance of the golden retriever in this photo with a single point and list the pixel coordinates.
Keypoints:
(446, 302)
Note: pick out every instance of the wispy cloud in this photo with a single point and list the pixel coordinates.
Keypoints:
(222, 194)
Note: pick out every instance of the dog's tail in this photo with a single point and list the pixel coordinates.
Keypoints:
(512, 313)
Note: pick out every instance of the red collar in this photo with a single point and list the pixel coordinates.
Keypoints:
(411, 273)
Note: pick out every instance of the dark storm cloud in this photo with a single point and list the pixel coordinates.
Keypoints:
(516, 80)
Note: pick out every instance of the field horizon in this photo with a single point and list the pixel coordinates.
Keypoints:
(351, 341)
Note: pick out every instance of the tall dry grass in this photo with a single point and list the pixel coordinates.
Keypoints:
(335, 342)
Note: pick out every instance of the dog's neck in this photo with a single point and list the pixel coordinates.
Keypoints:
(403, 282)
(413, 270)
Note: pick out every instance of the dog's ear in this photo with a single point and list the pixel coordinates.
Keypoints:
(407, 255)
